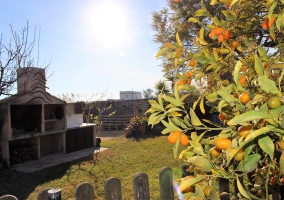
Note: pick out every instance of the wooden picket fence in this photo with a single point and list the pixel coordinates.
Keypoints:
(112, 188)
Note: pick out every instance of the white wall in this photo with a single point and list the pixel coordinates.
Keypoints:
(129, 95)
(74, 119)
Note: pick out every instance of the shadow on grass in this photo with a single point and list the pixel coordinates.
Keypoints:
(22, 184)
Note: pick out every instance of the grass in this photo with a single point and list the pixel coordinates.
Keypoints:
(124, 158)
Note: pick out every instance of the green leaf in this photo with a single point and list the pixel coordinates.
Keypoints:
(193, 20)
(171, 55)
(224, 51)
(281, 162)
(258, 66)
(258, 132)
(262, 53)
(168, 130)
(176, 92)
(160, 99)
(201, 105)
(202, 13)
(267, 145)
(236, 76)
(212, 96)
(226, 95)
(172, 124)
(276, 112)
(248, 150)
(201, 163)
(178, 40)
(272, 32)
(161, 52)
(250, 164)
(186, 183)
(229, 15)
(194, 119)
(241, 189)
(233, 2)
(213, 2)
(267, 85)
(271, 9)
(202, 59)
(172, 100)
(248, 116)
(280, 21)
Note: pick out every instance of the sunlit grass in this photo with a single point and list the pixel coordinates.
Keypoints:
(124, 158)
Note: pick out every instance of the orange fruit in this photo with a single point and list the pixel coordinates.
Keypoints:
(223, 143)
(222, 117)
(259, 192)
(234, 44)
(214, 152)
(262, 123)
(243, 80)
(244, 130)
(173, 137)
(221, 38)
(181, 82)
(273, 102)
(273, 180)
(227, 35)
(207, 190)
(244, 98)
(192, 62)
(239, 156)
(218, 31)
(190, 188)
(189, 74)
(227, 6)
(212, 34)
(236, 95)
(179, 49)
(178, 54)
(266, 65)
(245, 68)
(184, 140)
(266, 24)
(176, 1)
(281, 144)
(168, 44)
(275, 75)
(188, 81)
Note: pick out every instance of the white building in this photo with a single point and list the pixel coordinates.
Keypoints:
(130, 95)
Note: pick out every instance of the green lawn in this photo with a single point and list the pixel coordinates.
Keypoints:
(124, 158)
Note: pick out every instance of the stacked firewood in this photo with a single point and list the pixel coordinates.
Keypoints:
(22, 154)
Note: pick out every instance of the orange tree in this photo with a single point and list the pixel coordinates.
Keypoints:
(240, 57)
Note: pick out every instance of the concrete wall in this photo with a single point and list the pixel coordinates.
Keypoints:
(130, 95)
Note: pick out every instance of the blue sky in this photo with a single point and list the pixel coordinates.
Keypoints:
(93, 45)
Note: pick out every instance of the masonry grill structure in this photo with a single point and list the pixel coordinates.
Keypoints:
(34, 123)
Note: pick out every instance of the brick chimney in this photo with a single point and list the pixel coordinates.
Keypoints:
(30, 78)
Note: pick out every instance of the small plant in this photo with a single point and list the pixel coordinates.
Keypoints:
(136, 127)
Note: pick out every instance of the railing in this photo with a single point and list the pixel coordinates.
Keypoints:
(112, 188)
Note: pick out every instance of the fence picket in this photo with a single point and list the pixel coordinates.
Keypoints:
(224, 186)
(166, 184)
(84, 191)
(141, 187)
(8, 197)
(113, 189)
(43, 195)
